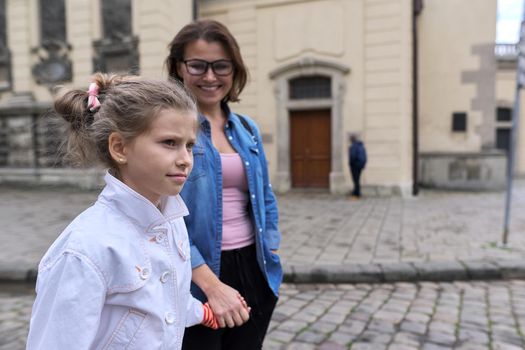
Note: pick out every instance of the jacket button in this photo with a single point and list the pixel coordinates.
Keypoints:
(230, 138)
(260, 229)
(144, 273)
(169, 317)
(247, 163)
(253, 196)
(164, 276)
(159, 238)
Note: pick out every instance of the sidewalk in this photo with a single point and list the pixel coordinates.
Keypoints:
(437, 236)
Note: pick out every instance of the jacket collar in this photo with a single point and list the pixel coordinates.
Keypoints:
(139, 209)
(231, 118)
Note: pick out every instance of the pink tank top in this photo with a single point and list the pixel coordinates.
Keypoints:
(237, 228)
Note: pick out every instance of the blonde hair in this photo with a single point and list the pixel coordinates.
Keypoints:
(128, 105)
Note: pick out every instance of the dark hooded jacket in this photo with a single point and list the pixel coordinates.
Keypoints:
(357, 155)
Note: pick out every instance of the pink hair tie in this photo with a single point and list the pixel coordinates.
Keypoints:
(93, 103)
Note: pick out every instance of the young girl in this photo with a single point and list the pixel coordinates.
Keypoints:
(119, 275)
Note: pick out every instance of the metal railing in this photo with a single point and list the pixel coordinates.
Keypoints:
(506, 52)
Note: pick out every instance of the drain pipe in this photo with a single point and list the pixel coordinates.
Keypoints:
(417, 8)
(195, 10)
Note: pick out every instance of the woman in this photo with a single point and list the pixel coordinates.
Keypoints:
(234, 234)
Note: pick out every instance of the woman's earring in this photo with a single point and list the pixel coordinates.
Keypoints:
(121, 161)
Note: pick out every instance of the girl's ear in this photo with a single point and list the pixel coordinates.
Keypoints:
(117, 148)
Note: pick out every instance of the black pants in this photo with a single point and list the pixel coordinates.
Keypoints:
(356, 174)
(239, 270)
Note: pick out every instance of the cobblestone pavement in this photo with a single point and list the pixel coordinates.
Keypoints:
(320, 229)
(435, 226)
(15, 311)
(31, 219)
(400, 316)
(317, 228)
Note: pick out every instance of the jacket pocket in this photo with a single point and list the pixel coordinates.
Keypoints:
(128, 268)
(127, 329)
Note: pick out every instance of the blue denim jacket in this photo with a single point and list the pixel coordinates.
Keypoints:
(202, 194)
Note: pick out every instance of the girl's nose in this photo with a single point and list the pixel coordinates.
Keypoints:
(185, 158)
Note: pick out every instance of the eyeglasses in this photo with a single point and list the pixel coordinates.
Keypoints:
(200, 67)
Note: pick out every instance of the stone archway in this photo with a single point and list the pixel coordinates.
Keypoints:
(306, 67)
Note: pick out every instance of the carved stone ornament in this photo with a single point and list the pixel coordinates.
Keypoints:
(54, 66)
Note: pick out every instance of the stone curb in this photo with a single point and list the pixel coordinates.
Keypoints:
(436, 271)
(10, 274)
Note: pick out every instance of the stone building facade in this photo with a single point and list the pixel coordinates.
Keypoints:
(418, 81)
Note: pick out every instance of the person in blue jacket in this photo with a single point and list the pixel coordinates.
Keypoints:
(356, 162)
(233, 218)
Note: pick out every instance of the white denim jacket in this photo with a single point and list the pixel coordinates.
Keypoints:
(118, 277)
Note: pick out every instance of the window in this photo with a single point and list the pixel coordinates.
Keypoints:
(116, 18)
(459, 122)
(5, 55)
(4, 142)
(52, 21)
(310, 87)
(503, 139)
(504, 114)
(503, 128)
(54, 65)
(117, 51)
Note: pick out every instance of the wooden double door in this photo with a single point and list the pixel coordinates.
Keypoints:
(310, 147)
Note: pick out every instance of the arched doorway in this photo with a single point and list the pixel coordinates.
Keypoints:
(309, 96)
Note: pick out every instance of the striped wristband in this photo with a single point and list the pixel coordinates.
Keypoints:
(209, 319)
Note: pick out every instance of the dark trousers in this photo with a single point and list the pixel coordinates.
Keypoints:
(356, 174)
(239, 270)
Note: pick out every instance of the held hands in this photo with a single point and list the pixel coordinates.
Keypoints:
(209, 319)
(229, 307)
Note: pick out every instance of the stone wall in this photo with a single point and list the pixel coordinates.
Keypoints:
(464, 171)
(31, 147)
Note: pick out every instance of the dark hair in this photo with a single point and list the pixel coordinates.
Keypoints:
(128, 105)
(209, 31)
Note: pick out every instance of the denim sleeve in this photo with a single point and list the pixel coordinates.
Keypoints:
(196, 257)
(272, 234)
(69, 301)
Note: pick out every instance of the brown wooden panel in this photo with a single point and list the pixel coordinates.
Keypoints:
(310, 148)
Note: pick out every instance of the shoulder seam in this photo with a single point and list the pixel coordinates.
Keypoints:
(89, 262)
